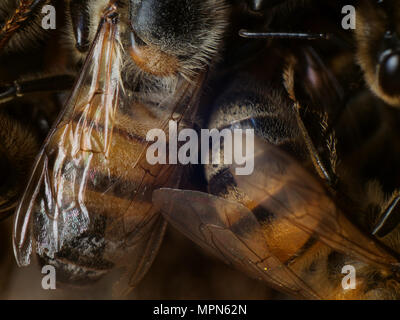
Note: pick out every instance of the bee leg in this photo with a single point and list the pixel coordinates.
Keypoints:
(390, 217)
(18, 89)
(324, 170)
(80, 23)
(22, 15)
(313, 119)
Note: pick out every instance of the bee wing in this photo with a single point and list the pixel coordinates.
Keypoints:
(73, 133)
(232, 233)
(282, 186)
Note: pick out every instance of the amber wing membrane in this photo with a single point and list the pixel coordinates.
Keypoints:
(230, 231)
(282, 188)
(302, 200)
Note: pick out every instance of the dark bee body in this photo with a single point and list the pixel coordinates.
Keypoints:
(24, 126)
(18, 149)
(20, 24)
(6, 264)
(267, 110)
(27, 110)
(377, 42)
(369, 153)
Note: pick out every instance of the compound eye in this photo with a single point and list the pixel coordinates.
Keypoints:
(389, 73)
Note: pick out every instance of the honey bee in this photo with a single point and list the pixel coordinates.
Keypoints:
(87, 208)
(377, 52)
(375, 44)
(287, 223)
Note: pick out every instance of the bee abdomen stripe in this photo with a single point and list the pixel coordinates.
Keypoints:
(303, 250)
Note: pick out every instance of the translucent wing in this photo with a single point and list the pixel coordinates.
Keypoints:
(232, 233)
(57, 185)
(88, 201)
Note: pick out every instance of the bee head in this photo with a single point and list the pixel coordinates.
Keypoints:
(378, 47)
(389, 64)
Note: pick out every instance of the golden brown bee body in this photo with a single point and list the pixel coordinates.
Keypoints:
(87, 208)
(287, 223)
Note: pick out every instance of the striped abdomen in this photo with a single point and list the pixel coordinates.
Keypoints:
(245, 105)
(101, 182)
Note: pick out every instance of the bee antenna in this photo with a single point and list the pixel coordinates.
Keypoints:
(284, 35)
